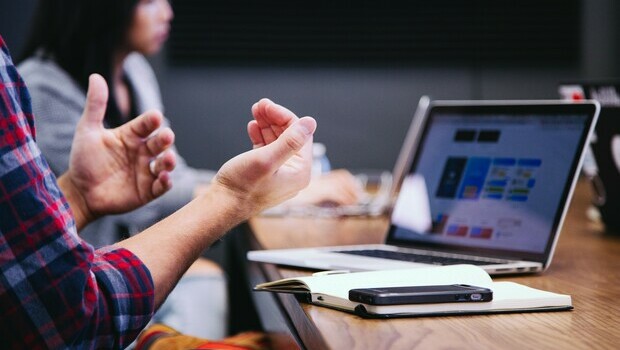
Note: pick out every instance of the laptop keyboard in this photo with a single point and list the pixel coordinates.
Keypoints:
(419, 258)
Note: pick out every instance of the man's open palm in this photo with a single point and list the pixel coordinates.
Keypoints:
(111, 168)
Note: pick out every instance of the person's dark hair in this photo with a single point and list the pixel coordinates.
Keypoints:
(82, 36)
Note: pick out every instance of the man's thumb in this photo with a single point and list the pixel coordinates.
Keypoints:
(96, 100)
(293, 139)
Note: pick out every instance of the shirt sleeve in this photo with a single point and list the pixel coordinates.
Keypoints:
(56, 291)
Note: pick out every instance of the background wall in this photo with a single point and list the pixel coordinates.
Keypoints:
(363, 112)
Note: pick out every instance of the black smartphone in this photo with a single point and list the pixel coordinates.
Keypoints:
(421, 294)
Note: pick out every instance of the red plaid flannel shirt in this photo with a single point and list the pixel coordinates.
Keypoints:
(56, 291)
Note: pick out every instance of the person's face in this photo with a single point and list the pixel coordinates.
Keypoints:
(150, 26)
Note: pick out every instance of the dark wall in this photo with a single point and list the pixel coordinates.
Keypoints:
(363, 113)
(14, 21)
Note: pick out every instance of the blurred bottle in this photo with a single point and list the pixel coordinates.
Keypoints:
(320, 162)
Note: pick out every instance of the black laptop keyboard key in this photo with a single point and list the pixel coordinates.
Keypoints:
(420, 258)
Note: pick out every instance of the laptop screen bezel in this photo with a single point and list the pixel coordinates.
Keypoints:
(478, 108)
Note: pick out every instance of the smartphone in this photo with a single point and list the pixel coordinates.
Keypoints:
(421, 294)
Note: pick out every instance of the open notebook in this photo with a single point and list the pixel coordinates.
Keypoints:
(487, 183)
(332, 290)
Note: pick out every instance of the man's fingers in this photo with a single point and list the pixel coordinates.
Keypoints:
(291, 141)
(96, 100)
(144, 125)
(272, 119)
(160, 168)
(255, 135)
(267, 133)
(269, 113)
(161, 185)
(160, 141)
(164, 163)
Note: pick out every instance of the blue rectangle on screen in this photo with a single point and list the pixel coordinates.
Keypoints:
(530, 162)
(474, 177)
(504, 161)
(498, 183)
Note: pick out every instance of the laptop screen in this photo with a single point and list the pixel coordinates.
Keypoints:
(492, 179)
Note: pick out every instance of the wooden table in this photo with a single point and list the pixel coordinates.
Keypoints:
(586, 266)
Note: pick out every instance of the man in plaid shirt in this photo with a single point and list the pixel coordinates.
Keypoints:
(55, 290)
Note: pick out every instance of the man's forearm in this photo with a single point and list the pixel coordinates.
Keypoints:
(169, 247)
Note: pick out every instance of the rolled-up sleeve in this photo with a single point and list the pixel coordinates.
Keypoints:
(125, 296)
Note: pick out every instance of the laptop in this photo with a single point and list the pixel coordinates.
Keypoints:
(602, 160)
(488, 183)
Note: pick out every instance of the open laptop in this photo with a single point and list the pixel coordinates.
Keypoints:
(489, 183)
